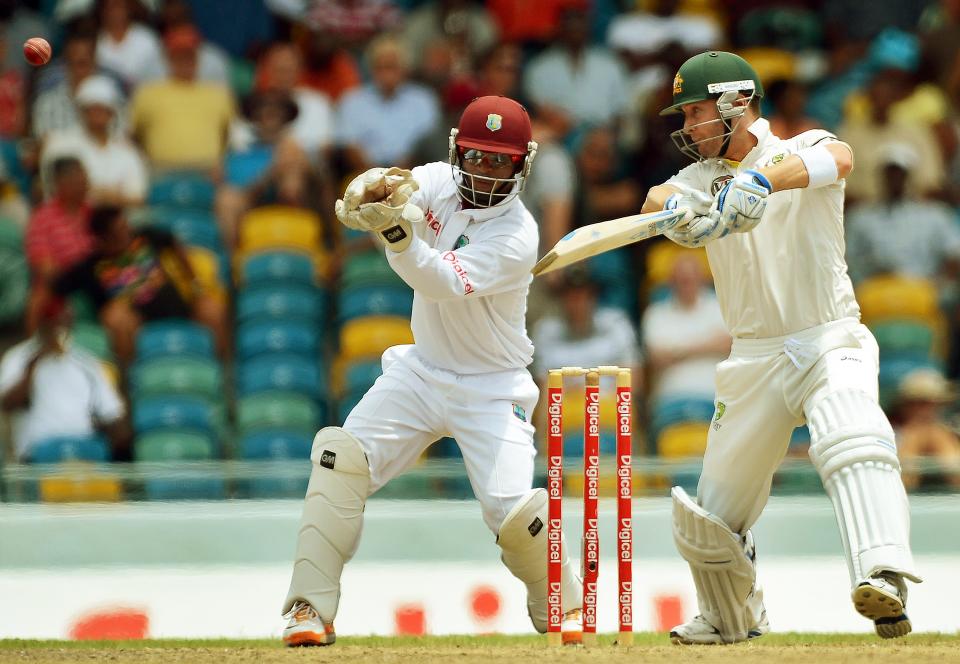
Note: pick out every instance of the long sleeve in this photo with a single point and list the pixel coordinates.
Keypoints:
(494, 265)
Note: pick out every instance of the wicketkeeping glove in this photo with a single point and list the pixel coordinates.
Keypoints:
(387, 189)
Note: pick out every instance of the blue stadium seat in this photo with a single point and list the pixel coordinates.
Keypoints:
(679, 409)
(283, 486)
(894, 367)
(276, 444)
(298, 302)
(185, 190)
(282, 266)
(360, 376)
(174, 337)
(573, 443)
(374, 301)
(68, 448)
(347, 403)
(282, 371)
(277, 336)
(169, 412)
(193, 227)
(188, 485)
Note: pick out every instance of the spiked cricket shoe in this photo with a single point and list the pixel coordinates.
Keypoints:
(306, 628)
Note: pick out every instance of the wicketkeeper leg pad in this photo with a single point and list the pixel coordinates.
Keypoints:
(722, 565)
(852, 446)
(523, 542)
(331, 522)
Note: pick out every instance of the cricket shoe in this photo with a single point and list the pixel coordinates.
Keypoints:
(306, 628)
(571, 628)
(700, 632)
(883, 599)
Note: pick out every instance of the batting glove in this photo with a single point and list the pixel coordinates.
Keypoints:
(742, 201)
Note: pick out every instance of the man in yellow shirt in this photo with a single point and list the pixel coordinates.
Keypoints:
(181, 122)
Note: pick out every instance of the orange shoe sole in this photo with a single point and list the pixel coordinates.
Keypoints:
(303, 639)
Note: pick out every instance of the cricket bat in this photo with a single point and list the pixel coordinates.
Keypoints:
(594, 239)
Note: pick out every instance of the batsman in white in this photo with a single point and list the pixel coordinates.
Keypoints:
(460, 237)
(770, 214)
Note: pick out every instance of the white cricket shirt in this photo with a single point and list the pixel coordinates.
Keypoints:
(789, 273)
(470, 273)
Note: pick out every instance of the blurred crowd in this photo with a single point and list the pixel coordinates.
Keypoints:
(274, 104)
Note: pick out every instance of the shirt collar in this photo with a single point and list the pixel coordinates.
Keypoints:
(761, 130)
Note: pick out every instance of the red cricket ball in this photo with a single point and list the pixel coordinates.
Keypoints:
(37, 51)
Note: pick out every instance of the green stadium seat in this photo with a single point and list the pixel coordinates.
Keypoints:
(93, 338)
(178, 375)
(271, 410)
(173, 445)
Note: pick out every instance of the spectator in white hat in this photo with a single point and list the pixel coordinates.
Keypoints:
(115, 169)
(922, 432)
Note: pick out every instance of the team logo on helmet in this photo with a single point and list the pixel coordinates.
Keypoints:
(494, 121)
(677, 84)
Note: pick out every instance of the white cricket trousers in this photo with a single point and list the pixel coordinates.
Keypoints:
(765, 389)
(413, 404)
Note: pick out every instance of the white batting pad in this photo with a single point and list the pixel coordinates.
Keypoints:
(331, 522)
(523, 542)
(723, 574)
(852, 446)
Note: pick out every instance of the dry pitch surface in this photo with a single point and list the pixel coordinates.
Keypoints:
(649, 649)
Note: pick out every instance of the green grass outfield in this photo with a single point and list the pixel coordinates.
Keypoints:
(648, 648)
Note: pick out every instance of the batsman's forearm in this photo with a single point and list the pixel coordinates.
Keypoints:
(791, 173)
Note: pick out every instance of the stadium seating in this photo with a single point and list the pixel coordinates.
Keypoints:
(905, 337)
(174, 337)
(275, 410)
(284, 266)
(70, 448)
(897, 297)
(285, 302)
(369, 336)
(92, 338)
(173, 412)
(276, 444)
(277, 336)
(174, 445)
(374, 301)
(183, 190)
(281, 371)
(195, 376)
(684, 439)
(369, 268)
(277, 227)
(677, 410)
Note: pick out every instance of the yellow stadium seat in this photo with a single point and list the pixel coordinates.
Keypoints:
(663, 255)
(770, 63)
(206, 266)
(79, 483)
(280, 227)
(369, 336)
(898, 297)
(686, 439)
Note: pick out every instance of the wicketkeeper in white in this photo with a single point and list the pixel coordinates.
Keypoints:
(770, 214)
(461, 238)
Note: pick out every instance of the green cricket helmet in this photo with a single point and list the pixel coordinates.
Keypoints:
(713, 75)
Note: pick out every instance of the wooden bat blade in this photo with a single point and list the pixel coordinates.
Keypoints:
(593, 239)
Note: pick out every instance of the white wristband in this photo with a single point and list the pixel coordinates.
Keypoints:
(821, 166)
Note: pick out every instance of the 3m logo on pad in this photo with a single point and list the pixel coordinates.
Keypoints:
(328, 459)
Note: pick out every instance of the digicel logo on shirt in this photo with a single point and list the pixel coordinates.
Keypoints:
(433, 223)
(451, 258)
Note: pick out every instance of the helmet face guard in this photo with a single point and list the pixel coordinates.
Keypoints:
(502, 190)
(730, 108)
